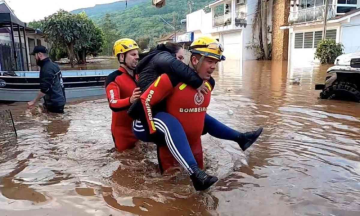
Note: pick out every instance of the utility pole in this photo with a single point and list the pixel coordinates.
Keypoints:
(190, 3)
(174, 24)
(325, 18)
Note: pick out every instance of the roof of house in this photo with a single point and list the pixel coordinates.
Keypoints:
(169, 37)
(166, 37)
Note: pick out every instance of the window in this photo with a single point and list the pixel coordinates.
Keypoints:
(299, 40)
(240, 2)
(303, 4)
(331, 34)
(308, 40)
(310, 3)
(319, 2)
(345, 6)
(347, 1)
(318, 38)
(351, 1)
(345, 9)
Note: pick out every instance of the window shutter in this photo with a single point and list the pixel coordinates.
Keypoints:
(299, 40)
(309, 40)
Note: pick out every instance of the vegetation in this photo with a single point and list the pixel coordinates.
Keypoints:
(144, 20)
(90, 41)
(259, 51)
(328, 50)
(110, 35)
(77, 35)
(74, 33)
(261, 45)
(100, 10)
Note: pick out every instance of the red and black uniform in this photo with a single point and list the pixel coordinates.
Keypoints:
(181, 123)
(189, 107)
(119, 88)
(151, 67)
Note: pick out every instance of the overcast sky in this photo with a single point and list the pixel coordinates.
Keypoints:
(29, 10)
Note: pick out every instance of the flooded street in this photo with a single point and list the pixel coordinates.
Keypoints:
(307, 161)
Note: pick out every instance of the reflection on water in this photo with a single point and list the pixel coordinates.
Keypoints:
(305, 163)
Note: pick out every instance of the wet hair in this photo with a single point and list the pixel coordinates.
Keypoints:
(172, 48)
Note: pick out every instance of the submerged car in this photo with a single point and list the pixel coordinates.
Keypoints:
(342, 80)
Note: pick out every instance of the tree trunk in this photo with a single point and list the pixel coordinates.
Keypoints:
(77, 57)
(264, 29)
(82, 56)
(70, 49)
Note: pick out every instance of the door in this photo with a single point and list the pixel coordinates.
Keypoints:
(351, 43)
(233, 52)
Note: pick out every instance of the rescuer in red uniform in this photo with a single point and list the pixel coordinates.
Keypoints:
(121, 92)
(181, 124)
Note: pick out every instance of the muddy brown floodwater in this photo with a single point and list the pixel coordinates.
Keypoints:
(307, 161)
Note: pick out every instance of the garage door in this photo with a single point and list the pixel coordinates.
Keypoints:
(232, 45)
(351, 43)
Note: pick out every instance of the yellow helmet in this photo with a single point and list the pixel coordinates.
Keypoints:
(124, 45)
(208, 47)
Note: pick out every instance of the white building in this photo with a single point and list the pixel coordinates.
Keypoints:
(230, 21)
(306, 27)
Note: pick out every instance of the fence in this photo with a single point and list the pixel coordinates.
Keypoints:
(7, 126)
(7, 60)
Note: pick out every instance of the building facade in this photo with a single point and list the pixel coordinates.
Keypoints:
(229, 21)
(306, 23)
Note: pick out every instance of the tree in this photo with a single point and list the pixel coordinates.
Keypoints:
(75, 32)
(57, 51)
(110, 36)
(328, 50)
(143, 42)
(90, 41)
(63, 28)
(143, 20)
(37, 25)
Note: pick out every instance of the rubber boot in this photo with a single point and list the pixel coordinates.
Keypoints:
(248, 138)
(201, 180)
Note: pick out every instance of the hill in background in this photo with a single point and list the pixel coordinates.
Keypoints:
(140, 19)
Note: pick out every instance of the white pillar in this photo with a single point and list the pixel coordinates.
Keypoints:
(233, 13)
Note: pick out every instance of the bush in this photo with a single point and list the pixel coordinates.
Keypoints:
(328, 50)
(258, 51)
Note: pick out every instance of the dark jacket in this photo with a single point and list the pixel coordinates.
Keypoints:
(151, 67)
(158, 62)
(51, 84)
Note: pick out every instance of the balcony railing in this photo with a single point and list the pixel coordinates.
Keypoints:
(222, 20)
(240, 19)
(311, 14)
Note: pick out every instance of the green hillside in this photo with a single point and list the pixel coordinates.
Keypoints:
(101, 9)
(143, 20)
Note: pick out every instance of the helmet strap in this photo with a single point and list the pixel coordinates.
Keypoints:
(124, 65)
(123, 62)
